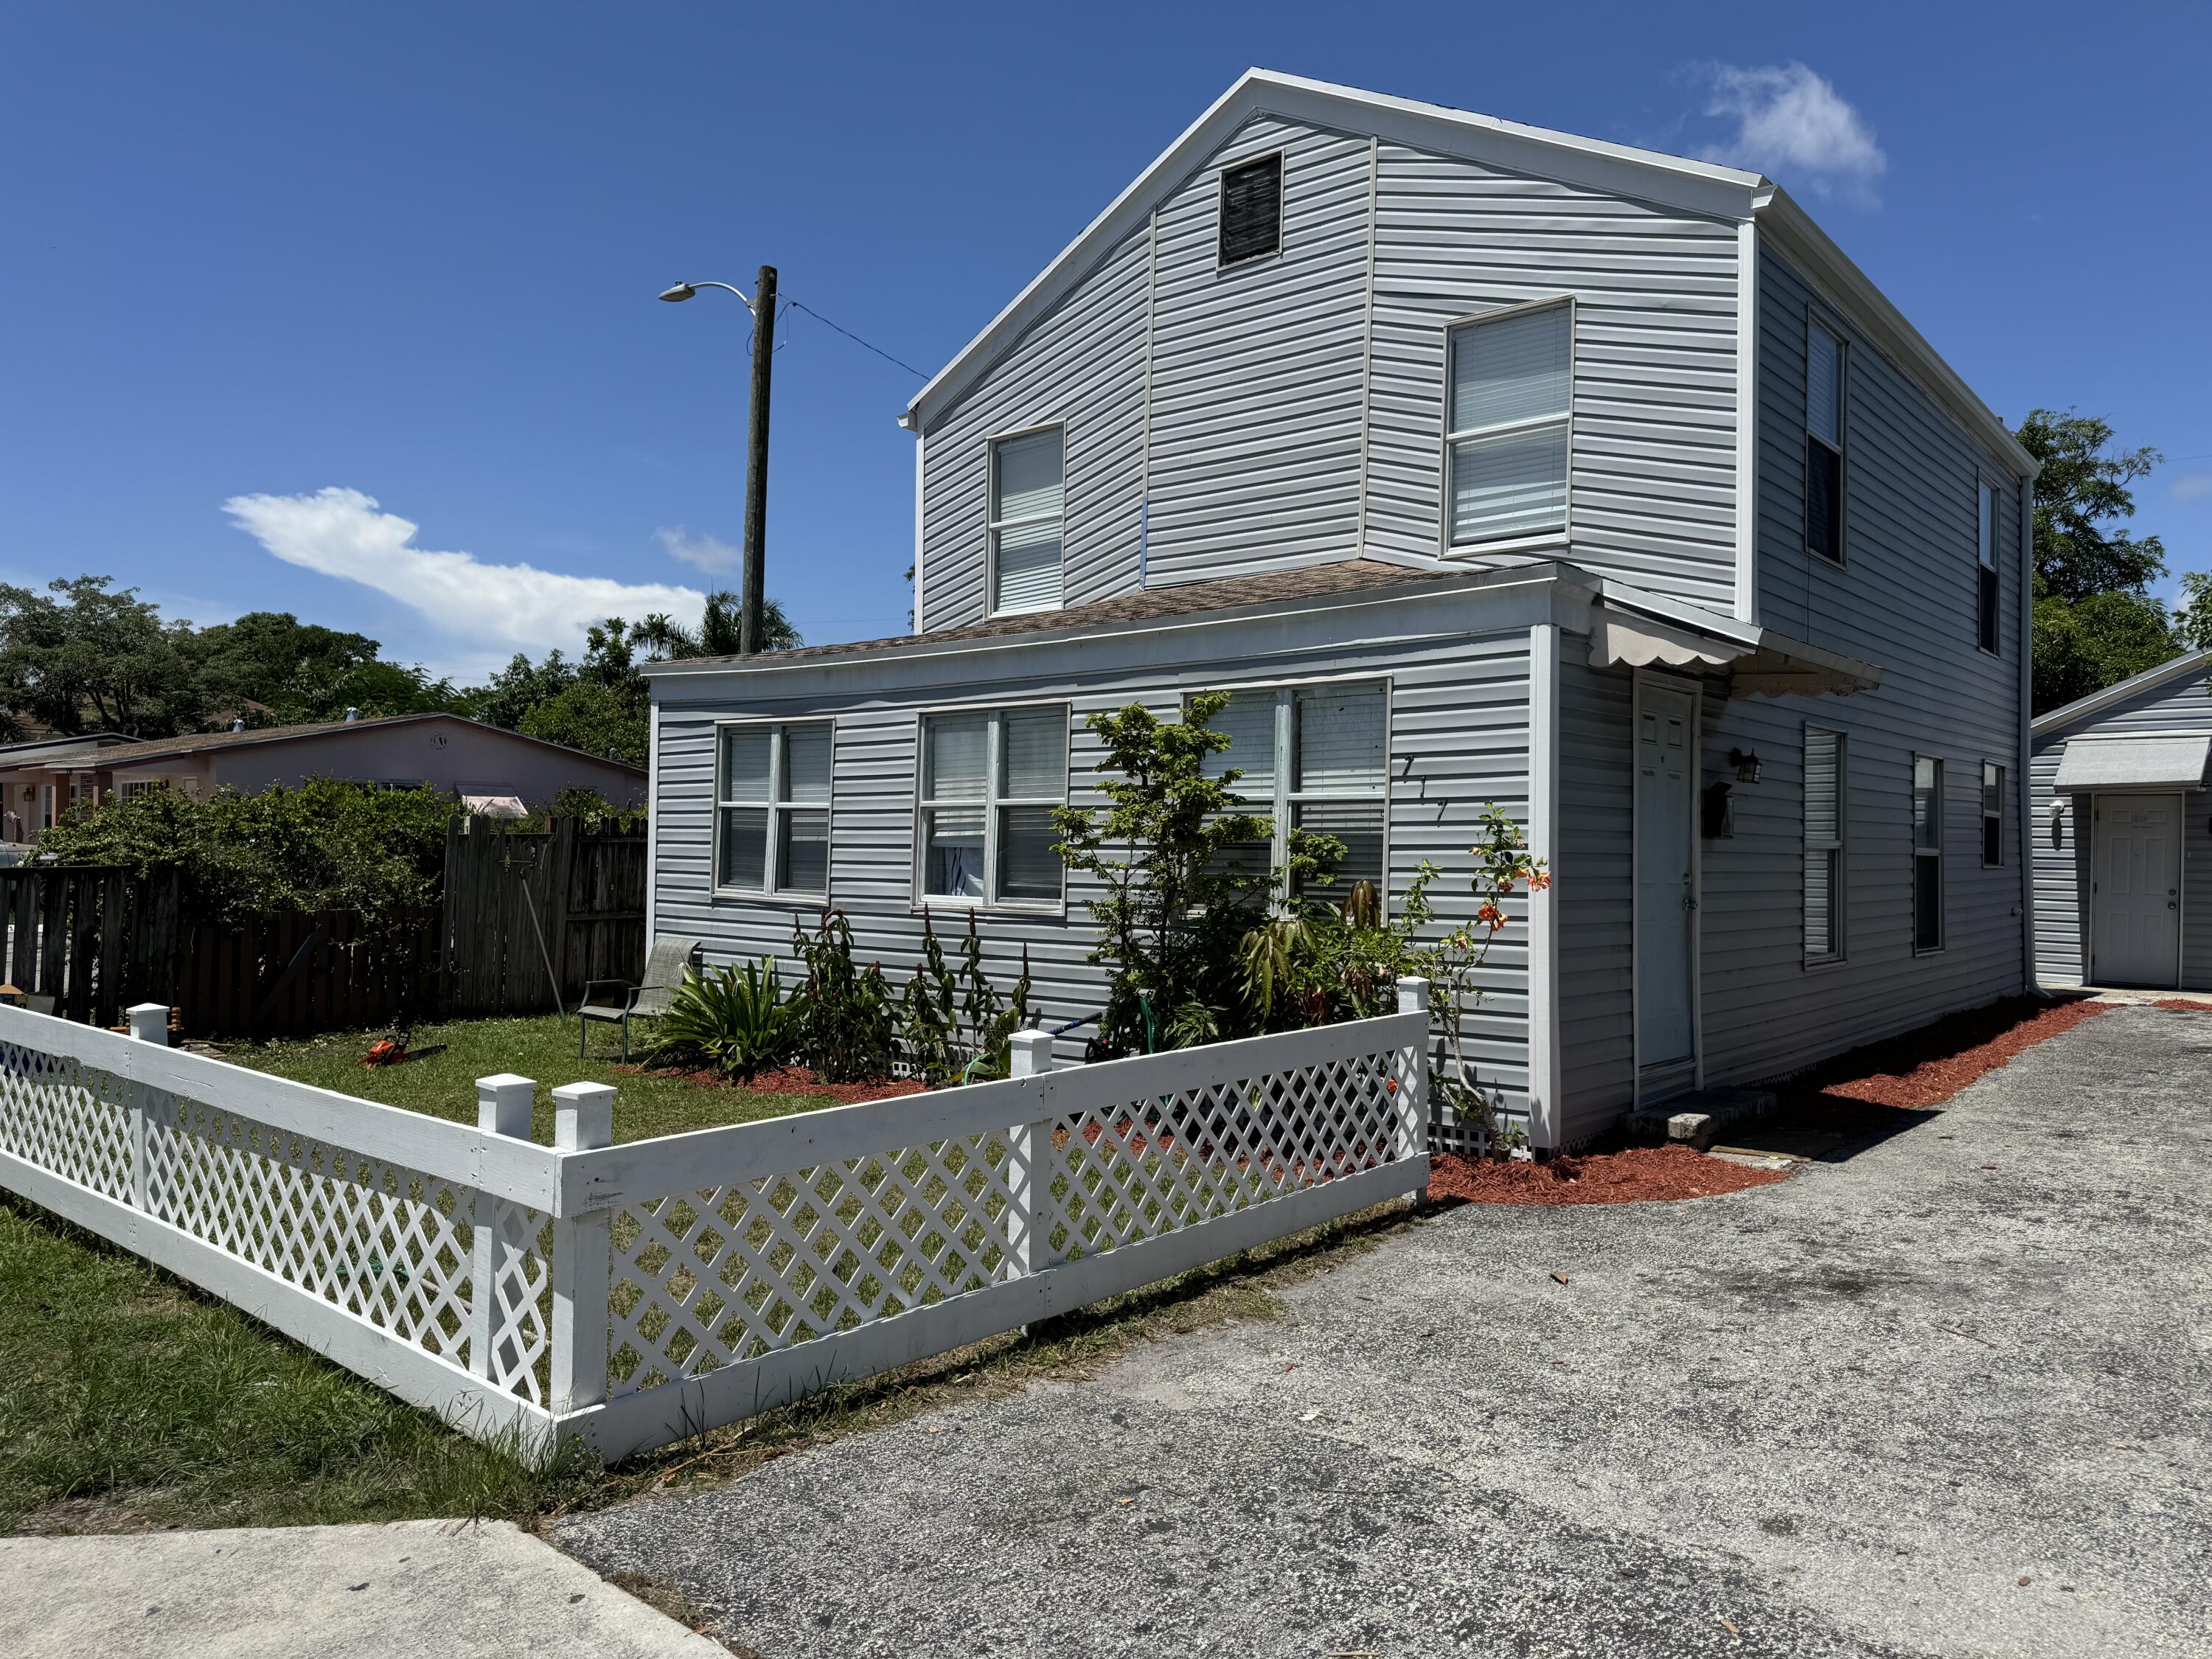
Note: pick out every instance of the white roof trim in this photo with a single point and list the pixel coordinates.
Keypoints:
(2111, 696)
(2104, 765)
(1721, 192)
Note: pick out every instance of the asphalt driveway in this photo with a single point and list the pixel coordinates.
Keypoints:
(1947, 1396)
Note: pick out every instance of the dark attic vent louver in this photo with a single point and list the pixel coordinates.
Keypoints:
(1251, 209)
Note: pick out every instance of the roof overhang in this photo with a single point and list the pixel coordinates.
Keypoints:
(1758, 662)
(2133, 765)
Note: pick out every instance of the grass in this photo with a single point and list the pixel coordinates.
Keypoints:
(129, 1401)
(444, 1084)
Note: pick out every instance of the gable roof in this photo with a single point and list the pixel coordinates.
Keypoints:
(2188, 663)
(195, 742)
(1672, 181)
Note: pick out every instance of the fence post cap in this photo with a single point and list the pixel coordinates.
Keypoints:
(503, 1081)
(160, 1008)
(503, 1101)
(149, 1022)
(1412, 994)
(1031, 1052)
(583, 1116)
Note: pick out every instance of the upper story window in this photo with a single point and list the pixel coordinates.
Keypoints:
(1824, 443)
(1314, 757)
(1027, 507)
(772, 803)
(1986, 594)
(1251, 211)
(989, 783)
(1505, 429)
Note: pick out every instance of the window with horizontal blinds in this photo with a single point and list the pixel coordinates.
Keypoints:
(772, 807)
(1824, 844)
(1027, 515)
(1316, 760)
(1510, 389)
(990, 784)
(1251, 209)
(1824, 443)
(1927, 853)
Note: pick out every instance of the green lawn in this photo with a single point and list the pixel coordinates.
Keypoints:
(444, 1084)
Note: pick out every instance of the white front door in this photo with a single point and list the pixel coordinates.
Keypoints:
(2136, 866)
(1666, 894)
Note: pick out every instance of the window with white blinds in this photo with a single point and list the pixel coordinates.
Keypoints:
(1824, 822)
(772, 808)
(1511, 378)
(1313, 758)
(1824, 443)
(989, 783)
(1027, 508)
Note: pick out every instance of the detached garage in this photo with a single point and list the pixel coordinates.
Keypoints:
(2123, 833)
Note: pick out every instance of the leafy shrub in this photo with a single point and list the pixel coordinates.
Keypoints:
(326, 845)
(842, 1014)
(733, 1019)
(957, 1026)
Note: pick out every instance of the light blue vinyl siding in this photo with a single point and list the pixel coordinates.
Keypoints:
(1595, 873)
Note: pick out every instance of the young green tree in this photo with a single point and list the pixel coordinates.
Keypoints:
(1176, 899)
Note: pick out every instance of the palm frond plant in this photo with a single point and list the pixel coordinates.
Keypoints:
(733, 1019)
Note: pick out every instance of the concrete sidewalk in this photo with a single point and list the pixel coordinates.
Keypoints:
(444, 1589)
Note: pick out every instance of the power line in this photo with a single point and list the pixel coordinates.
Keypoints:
(858, 341)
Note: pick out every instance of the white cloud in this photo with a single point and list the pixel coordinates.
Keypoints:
(708, 553)
(488, 611)
(2191, 485)
(1793, 125)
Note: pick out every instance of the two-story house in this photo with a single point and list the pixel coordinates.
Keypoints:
(1480, 463)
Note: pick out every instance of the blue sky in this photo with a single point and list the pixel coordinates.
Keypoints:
(409, 253)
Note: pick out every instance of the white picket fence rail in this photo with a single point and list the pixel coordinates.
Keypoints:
(632, 1295)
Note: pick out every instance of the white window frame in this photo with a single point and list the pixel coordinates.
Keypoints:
(1837, 851)
(1993, 787)
(1282, 208)
(776, 808)
(1281, 807)
(1841, 448)
(1940, 807)
(993, 524)
(991, 802)
(1445, 546)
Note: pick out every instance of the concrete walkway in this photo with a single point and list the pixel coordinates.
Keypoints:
(1947, 1396)
(440, 1589)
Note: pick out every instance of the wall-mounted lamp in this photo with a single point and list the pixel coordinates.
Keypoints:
(1746, 764)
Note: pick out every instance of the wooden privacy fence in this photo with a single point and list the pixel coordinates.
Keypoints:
(94, 940)
(628, 1296)
(532, 915)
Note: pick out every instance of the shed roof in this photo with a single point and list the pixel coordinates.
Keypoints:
(196, 743)
(2097, 702)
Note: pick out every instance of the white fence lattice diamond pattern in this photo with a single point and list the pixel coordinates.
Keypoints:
(66, 1117)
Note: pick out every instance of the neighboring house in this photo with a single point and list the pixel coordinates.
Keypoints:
(2123, 833)
(483, 764)
(1483, 463)
(30, 803)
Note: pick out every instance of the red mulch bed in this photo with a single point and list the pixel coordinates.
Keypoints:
(1926, 1067)
(2184, 1005)
(1634, 1175)
(798, 1080)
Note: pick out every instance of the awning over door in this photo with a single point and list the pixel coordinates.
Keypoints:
(1756, 661)
(2143, 765)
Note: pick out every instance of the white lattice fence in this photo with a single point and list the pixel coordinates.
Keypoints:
(750, 1265)
(633, 1294)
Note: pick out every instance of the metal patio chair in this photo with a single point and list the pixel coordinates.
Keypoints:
(647, 1000)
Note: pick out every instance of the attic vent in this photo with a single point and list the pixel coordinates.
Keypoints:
(1251, 209)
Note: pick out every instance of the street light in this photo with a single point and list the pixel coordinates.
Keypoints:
(751, 602)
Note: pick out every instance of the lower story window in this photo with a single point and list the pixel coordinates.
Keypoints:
(1993, 790)
(990, 782)
(772, 797)
(1927, 853)
(1825, 821)
(1313, 759)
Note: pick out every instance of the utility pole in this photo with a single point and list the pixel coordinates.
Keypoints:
(748, 614)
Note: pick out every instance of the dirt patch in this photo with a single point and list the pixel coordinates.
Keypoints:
(790, 1081)
(1634, 1175)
